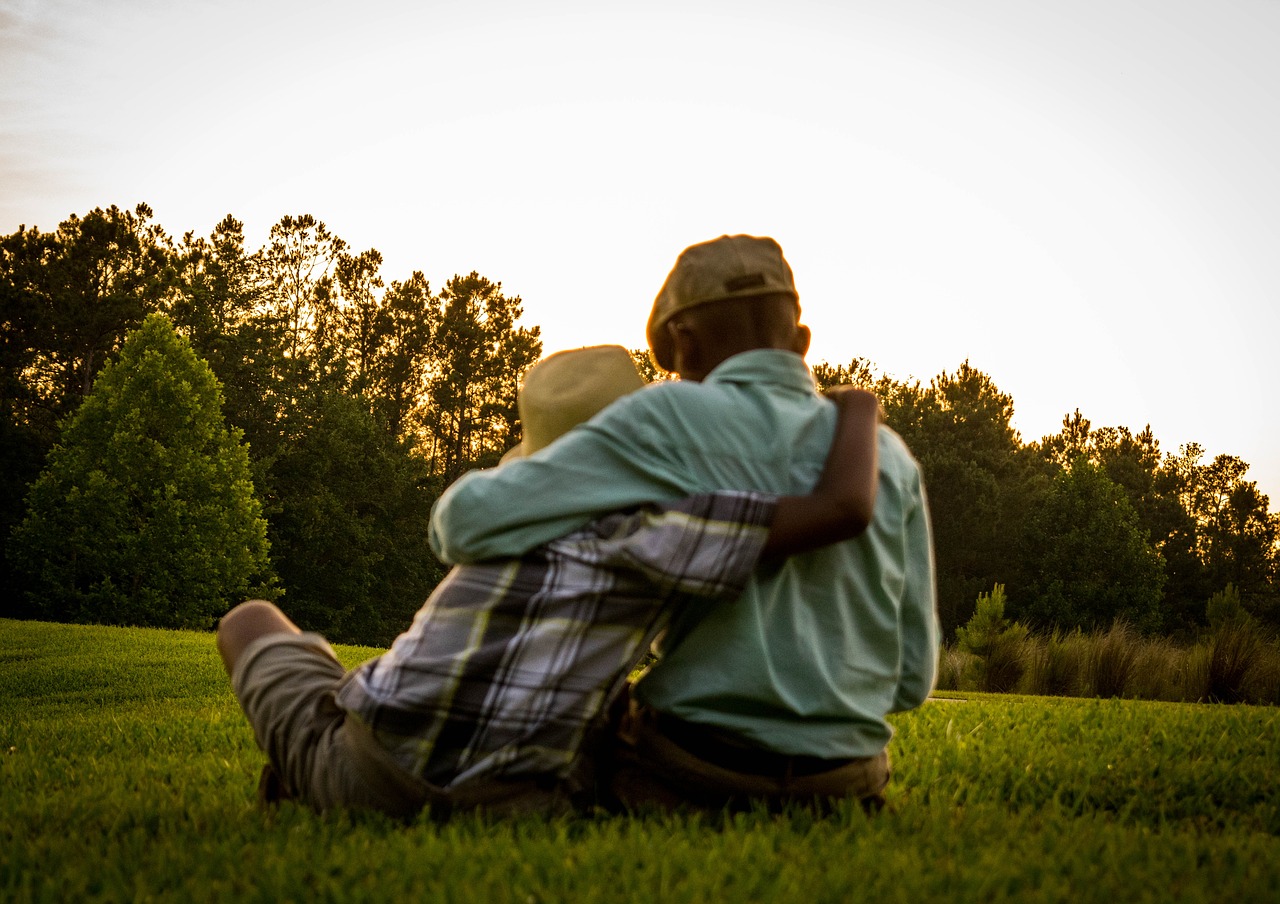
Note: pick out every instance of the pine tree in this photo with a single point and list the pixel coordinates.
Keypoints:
(145, 513)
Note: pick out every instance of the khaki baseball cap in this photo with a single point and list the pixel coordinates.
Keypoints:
(732, 266)
(566, 389)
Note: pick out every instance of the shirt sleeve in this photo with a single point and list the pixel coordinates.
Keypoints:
(706, 545)
(612, 463)
(919, 614)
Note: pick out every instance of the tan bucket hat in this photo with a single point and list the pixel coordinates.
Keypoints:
(566, 389)
(732, 266)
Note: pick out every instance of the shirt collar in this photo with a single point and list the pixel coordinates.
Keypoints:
(764, 365)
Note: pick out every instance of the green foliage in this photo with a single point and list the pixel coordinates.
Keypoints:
(1055, 665)
(648, 370)
(477, 359)
(306, 317)
(988, 627)
(1112, 659)
(328, 372)
(145, 513)
(67, 299)
(1224, 609)
(1210, 525)
(1087, 559)
(77, 293)
(979, 480)
(127, 772)
(349, 510)
(994, 641)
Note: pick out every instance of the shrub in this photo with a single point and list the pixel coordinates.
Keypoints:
(995, 642)
(1236, 647)
(1225, 609)
(145, 513)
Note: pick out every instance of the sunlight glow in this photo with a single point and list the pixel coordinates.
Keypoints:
(1078, 198)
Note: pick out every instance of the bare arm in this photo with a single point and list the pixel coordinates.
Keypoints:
(841, 504)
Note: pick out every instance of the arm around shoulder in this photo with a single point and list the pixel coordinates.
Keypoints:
(843, 501)
(506, 511)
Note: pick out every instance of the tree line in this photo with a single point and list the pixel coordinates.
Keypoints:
(356, 400)
(1084, 527)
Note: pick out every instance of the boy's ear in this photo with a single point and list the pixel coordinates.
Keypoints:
(686, 353)
(800, 342)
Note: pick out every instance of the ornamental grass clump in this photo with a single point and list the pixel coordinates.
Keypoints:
(1235, 661)
(1262, 683)
(1159, 672)
(952, 666)
(1112, 659)
(1237, 647)
(1233, 648)
(1055, 664)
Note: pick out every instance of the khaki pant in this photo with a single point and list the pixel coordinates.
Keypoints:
(653, 770)
(287, 684)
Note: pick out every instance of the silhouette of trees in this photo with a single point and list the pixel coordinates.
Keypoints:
(858, 372)
(325, 369)
(1210, 526)
(406, 326)
(477, 357)
(359, 398)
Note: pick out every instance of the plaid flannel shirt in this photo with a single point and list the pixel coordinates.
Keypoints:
(509, 664)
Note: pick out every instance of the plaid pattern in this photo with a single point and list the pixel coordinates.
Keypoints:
(508, 664)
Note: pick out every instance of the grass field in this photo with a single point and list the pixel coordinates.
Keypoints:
(128, 774)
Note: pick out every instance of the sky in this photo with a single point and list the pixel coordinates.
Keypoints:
(1079, 197)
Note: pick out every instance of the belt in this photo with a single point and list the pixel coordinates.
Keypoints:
(712, 746)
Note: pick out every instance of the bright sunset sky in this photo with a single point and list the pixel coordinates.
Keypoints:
(1079, 196)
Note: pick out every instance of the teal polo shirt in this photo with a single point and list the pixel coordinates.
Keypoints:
(821, 646)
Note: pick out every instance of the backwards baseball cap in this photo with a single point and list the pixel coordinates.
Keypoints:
(566, 389)
(732, 266)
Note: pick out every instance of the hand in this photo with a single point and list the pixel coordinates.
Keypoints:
(846, 394)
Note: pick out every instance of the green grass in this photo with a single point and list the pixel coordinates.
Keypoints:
(127, 774)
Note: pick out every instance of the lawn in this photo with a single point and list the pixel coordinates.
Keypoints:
(128, 774)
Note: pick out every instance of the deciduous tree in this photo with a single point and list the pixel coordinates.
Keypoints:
(349, 509)
(980, 480)
(1088, 560)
